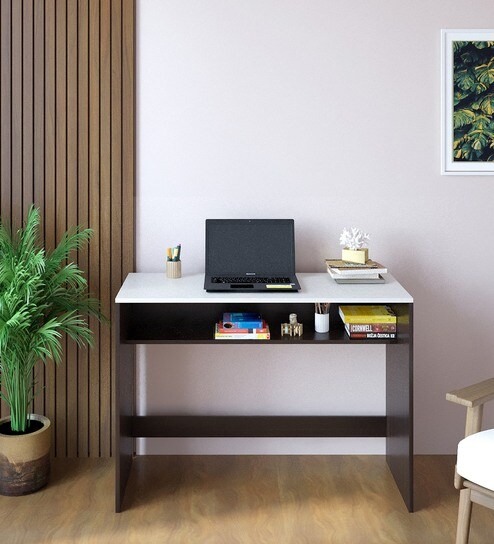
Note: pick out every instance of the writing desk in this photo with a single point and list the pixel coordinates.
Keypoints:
(152, 309)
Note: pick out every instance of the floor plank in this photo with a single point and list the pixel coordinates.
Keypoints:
(240, 500)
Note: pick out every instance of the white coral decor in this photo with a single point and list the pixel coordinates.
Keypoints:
(354, 238)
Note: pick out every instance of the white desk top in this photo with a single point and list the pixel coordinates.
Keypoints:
(143, 287)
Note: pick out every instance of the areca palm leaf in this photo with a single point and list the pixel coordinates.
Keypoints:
(72, 240)
(42, 297)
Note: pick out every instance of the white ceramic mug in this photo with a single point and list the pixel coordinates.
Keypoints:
(321, 322)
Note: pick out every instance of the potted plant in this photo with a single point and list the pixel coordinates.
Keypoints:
(42, 296)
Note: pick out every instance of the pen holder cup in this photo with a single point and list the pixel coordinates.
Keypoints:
(173, 269)
(321, 322)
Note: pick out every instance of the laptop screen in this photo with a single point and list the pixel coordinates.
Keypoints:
(239, 247)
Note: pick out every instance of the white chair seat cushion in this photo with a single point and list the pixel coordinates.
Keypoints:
(476, 458)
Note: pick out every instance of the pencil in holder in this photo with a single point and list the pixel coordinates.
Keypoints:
(173, 269)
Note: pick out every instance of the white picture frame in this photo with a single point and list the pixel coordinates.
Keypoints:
(449, 166)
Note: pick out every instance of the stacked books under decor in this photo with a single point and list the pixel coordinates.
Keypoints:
(369, 322)
(241, 326)
(347, 272)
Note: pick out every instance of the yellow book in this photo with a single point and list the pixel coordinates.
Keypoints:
(367, 314)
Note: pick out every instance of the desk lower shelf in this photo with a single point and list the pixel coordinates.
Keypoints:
(258, 426)
(307, 338)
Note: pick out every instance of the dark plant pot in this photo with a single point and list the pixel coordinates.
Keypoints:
(24, 458)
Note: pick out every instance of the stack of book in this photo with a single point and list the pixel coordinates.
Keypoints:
(346, 272)
(369, 322)
(241, 326)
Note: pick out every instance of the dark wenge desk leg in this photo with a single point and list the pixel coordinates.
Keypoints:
(124, 408)
(399, 412)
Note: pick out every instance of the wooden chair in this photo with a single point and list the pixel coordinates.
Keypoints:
(474, 472)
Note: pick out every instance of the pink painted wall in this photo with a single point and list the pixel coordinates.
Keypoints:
(327, 112)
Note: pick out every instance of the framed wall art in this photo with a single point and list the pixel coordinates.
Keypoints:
(467, 102)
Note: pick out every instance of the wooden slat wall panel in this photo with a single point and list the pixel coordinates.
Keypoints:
(67, 129)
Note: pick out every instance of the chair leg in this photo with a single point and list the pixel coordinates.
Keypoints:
(464, 516)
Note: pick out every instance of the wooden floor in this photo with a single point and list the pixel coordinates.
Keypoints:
(251, 499)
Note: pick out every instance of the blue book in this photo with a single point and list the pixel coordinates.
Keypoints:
(242, 320)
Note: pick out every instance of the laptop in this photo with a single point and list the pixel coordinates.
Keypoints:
(250, 255)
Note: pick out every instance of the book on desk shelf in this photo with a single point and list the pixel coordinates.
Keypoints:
(358, 280)
(345, 268)
(242, 320)
(345, 272)
(244, 330)
(367, 314)
(235, 334)
(370, 327)
(370, 335)
(352, 276)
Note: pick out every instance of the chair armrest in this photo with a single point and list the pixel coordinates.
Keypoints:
(473, 395)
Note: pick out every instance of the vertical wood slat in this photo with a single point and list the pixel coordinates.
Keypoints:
(94, 219)
(83, 210)
(105, 226)
(27, 105)
(49, 183)
(5, 121)
(39, 153)
(5, 112)
(16, 119)
(72, 219)
(67, 94)
(61, 201)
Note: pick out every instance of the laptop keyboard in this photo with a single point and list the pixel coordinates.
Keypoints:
(243, 279)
